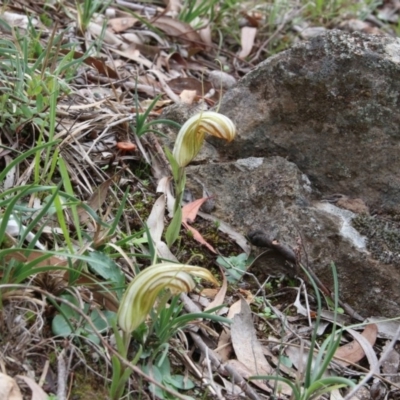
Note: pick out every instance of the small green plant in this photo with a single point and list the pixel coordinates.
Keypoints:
(193, 11)
(68, 322)
(188, 144)
(234, 266)
(86, 9)
(267, 313)
(142, 126)
(161, 371)
(314, 383)
(138, 301)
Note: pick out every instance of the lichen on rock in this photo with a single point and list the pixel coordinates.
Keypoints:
(383, 237)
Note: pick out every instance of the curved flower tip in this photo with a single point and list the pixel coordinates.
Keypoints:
(191, 136)
(142, 292)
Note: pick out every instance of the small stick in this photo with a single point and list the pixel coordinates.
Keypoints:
(260, 238)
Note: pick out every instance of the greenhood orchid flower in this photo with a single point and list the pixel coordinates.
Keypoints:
(142, 292)
(191, 136)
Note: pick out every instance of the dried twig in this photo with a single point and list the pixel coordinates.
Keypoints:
(260, 238)
(226, 370)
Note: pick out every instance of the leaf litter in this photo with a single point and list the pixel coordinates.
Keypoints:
(124, 58)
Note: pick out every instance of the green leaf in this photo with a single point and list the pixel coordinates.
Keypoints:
(64, 324)
(179, 382)
(174, 165)
(101, 320)
(174, 228)
(23, 156)
(155, 373)
(106, 268)
(234, 266)
(286, 361)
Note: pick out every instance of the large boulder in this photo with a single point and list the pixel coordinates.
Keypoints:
(273, 195)
(320, 119)
(332, 106)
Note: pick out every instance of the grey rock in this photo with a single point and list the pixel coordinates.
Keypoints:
(321, 120)
(332, 106)
(272, 194)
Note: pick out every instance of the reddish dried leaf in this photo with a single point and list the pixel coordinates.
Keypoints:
(94, 62)
(353, 351)
(189, 213)
(197, 236)
(178, 29)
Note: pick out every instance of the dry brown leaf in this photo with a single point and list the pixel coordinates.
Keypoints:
(94, 62)
(37, 392)
(9, 389)
(189, 213)
(180, 84)
(178, 29)
(220, 297)
(33, 255)
(96, 200)
(155, 221)
(188, 96)
(121, 24)
(206, 36)
(354, 351)
(107, 35)
(209, 292)
(224, 348)
(155, 224)
(174, 61)
(245, 373)
(132, 53)
(173, 6)
(247, 36)
(164, 186)
(247, 348)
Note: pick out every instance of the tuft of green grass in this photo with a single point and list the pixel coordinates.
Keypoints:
(314, 383)
(86, 9)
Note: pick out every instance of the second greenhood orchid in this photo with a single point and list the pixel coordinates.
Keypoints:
(191, 136)
(188, 144)
(142, 292)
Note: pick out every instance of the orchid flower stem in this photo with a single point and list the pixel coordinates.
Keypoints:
(180, 188)
(126, 337)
